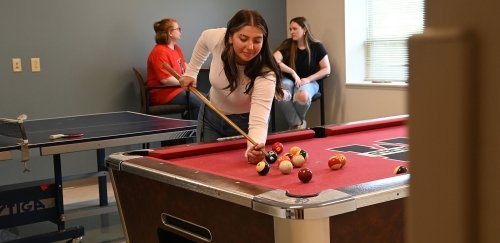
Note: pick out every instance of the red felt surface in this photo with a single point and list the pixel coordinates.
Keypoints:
(359, 168)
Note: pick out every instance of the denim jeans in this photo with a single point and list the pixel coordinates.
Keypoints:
(294, 112)
(211, 126)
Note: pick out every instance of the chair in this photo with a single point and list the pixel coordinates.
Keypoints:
(318, 96)
(167, 109)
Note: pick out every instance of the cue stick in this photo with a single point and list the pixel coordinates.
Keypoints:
(215, 109)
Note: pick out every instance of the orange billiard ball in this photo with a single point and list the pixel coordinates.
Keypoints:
(295, 150)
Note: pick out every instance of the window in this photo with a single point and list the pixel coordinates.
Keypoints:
(389, 24)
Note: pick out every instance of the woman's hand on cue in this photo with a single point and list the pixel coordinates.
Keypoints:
(186, 81)
(255, 154)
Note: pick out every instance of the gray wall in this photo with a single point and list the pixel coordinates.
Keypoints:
(87, 49)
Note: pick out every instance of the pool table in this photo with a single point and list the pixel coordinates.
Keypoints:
(207, 192)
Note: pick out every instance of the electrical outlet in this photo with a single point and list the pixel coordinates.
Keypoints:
(16, 65)
(35, 64)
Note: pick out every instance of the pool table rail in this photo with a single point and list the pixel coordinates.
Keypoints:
(234, 191)
(379, 191)
(327, 203)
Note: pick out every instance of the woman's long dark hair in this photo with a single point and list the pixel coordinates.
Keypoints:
(291, 45)
(261, 65)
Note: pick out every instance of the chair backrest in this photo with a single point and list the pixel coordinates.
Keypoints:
(165, 109)
(142, 90)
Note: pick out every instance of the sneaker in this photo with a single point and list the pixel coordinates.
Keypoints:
(299, 127)
(303, 125)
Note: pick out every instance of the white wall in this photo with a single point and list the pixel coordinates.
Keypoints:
(344, 103)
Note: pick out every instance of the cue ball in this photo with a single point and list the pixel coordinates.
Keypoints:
(286, 167)
(400, 170)
(262, 168)
(277, 147)
(271, 157)
(305, 175)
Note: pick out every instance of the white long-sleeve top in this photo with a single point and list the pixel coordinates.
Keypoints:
(258, 101)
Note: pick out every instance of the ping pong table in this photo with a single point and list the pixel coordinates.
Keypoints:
(21, 204)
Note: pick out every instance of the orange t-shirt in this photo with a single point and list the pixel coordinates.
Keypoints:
(159, 55)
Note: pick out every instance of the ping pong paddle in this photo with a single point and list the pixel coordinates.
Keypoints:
(70, 135)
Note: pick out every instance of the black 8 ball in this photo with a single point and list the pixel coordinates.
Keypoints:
(271, 157)
(400, 170)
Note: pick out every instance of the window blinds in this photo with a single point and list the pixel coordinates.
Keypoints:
(390, 23)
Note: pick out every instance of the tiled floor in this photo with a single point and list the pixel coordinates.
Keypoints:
(101, 225)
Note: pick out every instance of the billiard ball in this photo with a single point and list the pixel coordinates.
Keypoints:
(298, 160)
(286, 167)
(400, 170)
(337, 161)
(305, 175)
(294, 150)
(334, 162)
(343, 159)
(262, 168)
(271, 157)
(304, 153)
(289, 155)
(278, 147)
(283, 158)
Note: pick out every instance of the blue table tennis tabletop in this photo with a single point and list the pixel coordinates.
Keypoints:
(122, 128)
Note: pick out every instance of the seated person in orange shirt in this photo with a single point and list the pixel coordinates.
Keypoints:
(166, 51)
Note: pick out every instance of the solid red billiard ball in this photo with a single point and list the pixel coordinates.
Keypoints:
(262, 168)
(271, 157)
(286, 167)
(305, 175)
(278, 147)
(298, 160)
(400, 170)
(337, 161)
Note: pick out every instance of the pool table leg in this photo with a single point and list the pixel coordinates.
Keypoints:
(294, 231)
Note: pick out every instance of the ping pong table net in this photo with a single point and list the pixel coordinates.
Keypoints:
(12, 130)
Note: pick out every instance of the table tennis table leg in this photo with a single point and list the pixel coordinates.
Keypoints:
(59, 191)
(103, 188)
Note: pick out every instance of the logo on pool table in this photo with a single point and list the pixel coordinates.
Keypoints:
(394, 148)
